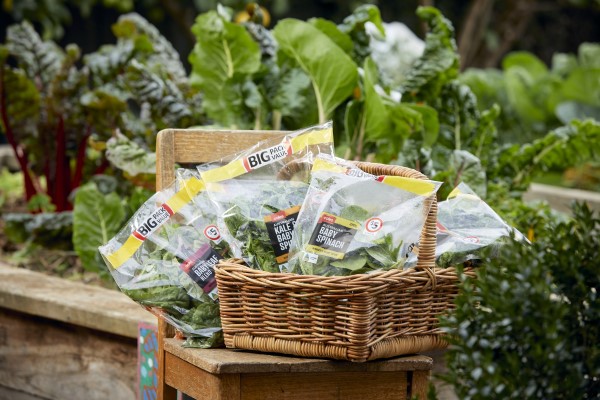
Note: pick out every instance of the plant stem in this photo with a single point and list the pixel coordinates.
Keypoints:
(30, 189)
(62, 173)
(322, 115)
(276, 120)
(80, 161)
(361, 136)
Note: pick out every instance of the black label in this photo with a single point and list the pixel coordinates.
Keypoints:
(280, 226)
(332, 236)
(201, 268)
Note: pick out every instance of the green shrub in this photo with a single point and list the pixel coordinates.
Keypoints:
(529, 326)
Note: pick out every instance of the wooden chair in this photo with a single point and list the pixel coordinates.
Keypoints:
(225, 374)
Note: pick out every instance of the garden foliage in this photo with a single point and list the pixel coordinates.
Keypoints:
(528, 327)
(71, 118)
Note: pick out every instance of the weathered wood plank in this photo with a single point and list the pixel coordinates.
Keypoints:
(73, 302)
(55, 360)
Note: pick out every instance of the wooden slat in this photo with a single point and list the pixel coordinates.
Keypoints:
(164, 391)
(198, 383)
(419, 384)
(325, 386)
(221, 361)
(194, 146)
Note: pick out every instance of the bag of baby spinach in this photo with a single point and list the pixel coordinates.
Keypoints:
(466, 225)
(352, 222)
(164, 259)
(259, 192)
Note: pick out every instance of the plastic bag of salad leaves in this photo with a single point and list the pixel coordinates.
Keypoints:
(259, 217)
(164, 258)
(205, 218)
(258, 193)
(352, 222)
(466, 225)
(287, 157)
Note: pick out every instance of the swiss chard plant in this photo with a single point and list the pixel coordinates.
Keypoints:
(70, 118)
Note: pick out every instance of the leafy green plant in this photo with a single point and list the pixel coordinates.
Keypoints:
(535, 98)
(69, 119)
(529, 325)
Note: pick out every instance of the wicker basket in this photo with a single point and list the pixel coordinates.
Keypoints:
(355, 318)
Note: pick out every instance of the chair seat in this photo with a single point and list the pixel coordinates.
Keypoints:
(238, 374)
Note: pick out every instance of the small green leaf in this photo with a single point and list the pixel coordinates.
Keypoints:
(351, 263)
(525, 60)
(331, 29)
(96, 219)
(129, 156)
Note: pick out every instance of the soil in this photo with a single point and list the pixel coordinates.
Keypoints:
(61, 263)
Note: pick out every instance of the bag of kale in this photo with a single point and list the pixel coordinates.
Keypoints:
(164, 258)
(352, 222)
(467, 225)
(259, 192)
(258, 218)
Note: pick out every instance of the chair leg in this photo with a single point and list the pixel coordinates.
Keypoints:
(165, 392)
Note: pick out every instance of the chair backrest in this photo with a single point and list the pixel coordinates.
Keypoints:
(195, 146)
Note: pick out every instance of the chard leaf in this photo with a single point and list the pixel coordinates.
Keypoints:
(96, 219)
(40, 59)
(332, 73)
(533, 65)
(431, 123)
(519, 84)
(288, 98)
(560, 148)
(129, 156)
(22, 102)
(134, 27)
(354, 26)
(439, 62)
(583, 85)
(377, 123)
(589, 55)
(224, 56)
(329, 28)
(169, 105)
(568, 111)
(465, 167)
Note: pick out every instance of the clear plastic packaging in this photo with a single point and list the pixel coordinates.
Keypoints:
(164, 258)
(352, 222)
(466, 225)
(258, 193)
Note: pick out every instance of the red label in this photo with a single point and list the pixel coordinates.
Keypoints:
(327, 218)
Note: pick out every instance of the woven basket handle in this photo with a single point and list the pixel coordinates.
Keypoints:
(426, 255)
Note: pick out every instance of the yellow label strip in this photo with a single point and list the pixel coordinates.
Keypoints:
(285, 147)
(324, 252)
(417, 186)
(190, 188)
